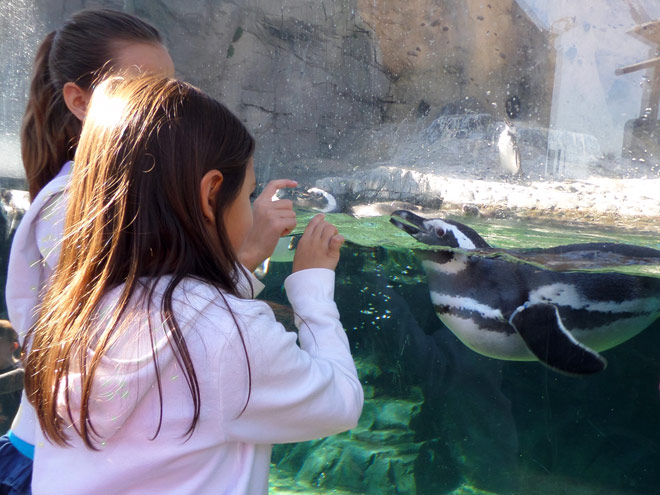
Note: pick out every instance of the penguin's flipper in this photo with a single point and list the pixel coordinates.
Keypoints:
(541, 329)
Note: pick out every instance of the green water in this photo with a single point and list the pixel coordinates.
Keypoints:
(505, 235)
(442, 419)
(378, 231)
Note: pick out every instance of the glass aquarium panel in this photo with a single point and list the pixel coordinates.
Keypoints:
(533, 122)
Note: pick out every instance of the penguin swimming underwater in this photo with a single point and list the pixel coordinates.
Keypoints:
(507, 147)
(520, 312)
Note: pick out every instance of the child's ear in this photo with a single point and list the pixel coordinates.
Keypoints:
(76, 99)
(209, 188)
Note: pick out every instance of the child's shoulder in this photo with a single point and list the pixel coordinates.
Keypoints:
(215, 314)
(202, 296)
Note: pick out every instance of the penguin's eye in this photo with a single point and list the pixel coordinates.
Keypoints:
(439, 231)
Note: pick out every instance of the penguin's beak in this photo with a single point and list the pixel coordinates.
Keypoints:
(414, 224)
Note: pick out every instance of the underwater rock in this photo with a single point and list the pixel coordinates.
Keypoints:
(376, 457)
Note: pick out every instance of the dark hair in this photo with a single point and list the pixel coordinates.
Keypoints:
(7, 331)
(134, 215)
(83, 48)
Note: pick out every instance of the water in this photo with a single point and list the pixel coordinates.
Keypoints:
(507, 234)
(442, 419)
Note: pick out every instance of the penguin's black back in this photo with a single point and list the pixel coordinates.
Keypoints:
(506, 284)
(628, 250)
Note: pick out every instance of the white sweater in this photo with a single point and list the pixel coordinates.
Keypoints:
(297, 393)
(34, 253)
(33, 256)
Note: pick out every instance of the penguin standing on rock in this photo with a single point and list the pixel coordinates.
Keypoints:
(507, 146)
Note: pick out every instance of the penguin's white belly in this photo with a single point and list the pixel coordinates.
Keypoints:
(508, 152)
(486, 331)
(475, 332)
(498, 345)
(626, 318)
(617, 332)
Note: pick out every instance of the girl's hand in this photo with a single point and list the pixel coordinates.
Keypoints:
(271, 220)
(319, 246)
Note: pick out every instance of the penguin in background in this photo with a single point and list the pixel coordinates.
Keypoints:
(507, 147)
(313, 199)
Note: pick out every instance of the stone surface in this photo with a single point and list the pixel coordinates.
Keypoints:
(301, 74)
(306, 75)
(381, 101)
(376, 457)
(455, 50)
(452, 162)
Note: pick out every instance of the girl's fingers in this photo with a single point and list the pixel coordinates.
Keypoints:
(319, 246)
(336, 242)
(281, 204)
(288, 226)
(327, 233)
(314, 223)
(286, 214)
(272, 187)
(287, 219)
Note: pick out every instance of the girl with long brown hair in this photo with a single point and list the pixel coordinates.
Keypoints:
(90, 44)
(150, 368)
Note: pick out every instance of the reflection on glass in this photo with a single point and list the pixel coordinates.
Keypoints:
(533, 122)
